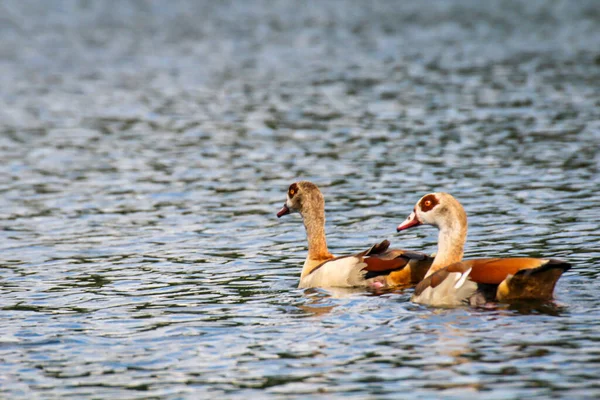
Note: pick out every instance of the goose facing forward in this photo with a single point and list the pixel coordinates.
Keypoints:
(451, 281)
(376, 267)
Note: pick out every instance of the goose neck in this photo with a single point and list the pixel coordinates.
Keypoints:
(451, 243)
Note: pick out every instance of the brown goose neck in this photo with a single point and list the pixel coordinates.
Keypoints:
(451, 242)
(314, 223)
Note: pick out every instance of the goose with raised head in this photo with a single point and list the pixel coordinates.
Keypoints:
(451, 281)
(376, 267)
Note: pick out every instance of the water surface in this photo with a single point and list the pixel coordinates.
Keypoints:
(146, 148)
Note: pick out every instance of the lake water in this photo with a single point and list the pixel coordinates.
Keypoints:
(146, 147)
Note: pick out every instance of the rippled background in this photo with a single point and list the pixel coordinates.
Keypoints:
(146, 147)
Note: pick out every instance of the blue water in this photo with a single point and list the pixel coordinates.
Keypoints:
(146, 147)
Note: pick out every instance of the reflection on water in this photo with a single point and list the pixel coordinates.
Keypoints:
(145, 149)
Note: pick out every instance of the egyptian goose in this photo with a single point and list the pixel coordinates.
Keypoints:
(451, 281)
(376, 267)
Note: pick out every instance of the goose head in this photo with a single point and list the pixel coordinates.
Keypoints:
(302, 196)
(440, 209)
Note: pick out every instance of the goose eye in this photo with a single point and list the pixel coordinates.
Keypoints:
(292, 190)
(428, 203)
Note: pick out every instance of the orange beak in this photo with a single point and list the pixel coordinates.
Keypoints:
(409, 222)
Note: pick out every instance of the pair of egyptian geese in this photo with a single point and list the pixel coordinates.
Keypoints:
(443, 280)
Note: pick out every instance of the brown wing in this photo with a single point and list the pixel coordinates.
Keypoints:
(411, 255)
(530, 278)
(376, 249)
(372, 251)
(378, 266)
(438, 277)
(419, 268)
(402, 267)
(415, 271)
(533, 283)
(495, 270)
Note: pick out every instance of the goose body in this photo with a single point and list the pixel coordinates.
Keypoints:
(377, 267)
(451, 281)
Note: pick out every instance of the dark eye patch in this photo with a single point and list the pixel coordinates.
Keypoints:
(428, 202)
(293, 190)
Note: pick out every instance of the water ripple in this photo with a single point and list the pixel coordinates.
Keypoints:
(147, 148)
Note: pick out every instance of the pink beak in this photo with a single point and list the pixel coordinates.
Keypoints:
(284, 210)
(409, 222)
